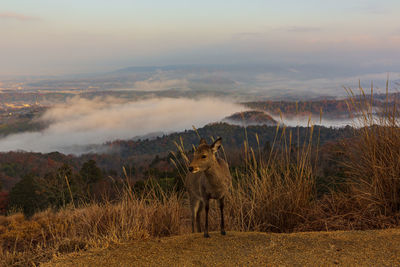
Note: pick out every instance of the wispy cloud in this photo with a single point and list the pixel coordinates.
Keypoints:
(17, 16)
(303, 29)
(155, 84)
(245, 35)
(373, 9)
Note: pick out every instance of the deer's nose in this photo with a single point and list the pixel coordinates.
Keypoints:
(191, 169)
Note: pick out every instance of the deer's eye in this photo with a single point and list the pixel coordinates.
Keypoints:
(204, 156)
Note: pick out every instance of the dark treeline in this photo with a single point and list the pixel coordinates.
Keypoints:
(233, 136)
(140, 153)
(330, 108)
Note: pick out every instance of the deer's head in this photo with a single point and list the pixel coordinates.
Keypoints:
(204, 156)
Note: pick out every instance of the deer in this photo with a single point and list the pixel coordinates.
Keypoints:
(208, 178)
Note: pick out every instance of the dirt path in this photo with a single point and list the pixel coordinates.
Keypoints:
(368, 248)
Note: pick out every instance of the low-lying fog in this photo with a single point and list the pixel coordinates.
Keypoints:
(314, 120)
(80, 122)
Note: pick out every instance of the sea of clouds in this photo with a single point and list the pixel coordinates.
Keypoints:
(81, 122)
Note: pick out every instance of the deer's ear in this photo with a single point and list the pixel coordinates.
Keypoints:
(216, 145)
(203, 141)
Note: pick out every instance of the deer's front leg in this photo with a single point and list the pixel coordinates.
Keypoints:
(221, 207)
(207, 208)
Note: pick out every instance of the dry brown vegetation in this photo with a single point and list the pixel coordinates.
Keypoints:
(275, 191)
(95, 225)
(370, 197)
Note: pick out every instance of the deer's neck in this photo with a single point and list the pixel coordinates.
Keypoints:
(214, 174)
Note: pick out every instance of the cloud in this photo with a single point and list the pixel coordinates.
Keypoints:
(301, 29)
(156, 84)
(261, 35)
(306, 121)
(80, 122)
(19, 17)
(316, 86)
(247, 35)
(374, 9)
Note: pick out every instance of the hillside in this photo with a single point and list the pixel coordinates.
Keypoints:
(368, 248)
(139, 154)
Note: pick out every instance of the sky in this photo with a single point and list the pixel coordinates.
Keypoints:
(47, 37)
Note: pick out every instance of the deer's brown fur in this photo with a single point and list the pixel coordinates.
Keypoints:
(208, 178)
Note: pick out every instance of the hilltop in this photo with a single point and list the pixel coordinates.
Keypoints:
(253, 117)
(369, 248)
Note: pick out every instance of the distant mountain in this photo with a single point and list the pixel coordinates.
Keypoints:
(251, 118)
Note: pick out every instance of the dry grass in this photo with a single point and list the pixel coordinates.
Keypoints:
(273, 190)
(272, 194)
(370, 198)
(373, 159)
(28, 242)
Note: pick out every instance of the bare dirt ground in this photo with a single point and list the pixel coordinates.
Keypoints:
(366, 248)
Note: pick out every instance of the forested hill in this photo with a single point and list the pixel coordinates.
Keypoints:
(232, 136)
(252, 117)
(139, 154)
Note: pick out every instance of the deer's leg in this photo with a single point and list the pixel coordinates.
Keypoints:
(193, 215)
(221, 207)
(194, 205)
(198, 216)
(207, 208)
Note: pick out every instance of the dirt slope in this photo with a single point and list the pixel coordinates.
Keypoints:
(368, 248)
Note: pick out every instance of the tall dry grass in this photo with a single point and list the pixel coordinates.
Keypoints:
(273, 189)
(370, 196)
(272, 193)
(28, 242)
(373, 157)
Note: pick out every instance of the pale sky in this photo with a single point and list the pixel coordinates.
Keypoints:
(62, 37)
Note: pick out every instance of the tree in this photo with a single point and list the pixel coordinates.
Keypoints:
(58, 188)
(90, 173)
(25, 195)
(3, 202)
